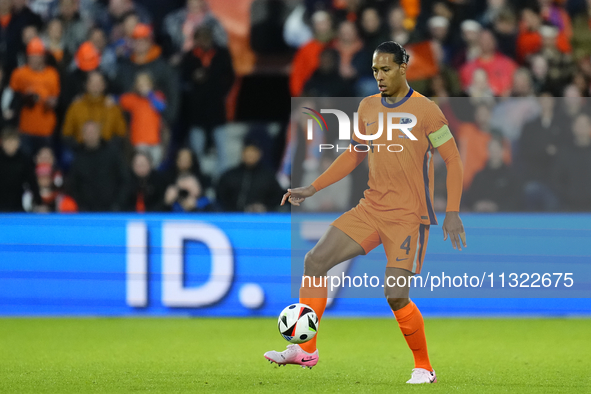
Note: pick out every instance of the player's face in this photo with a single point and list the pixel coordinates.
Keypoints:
(389, 75)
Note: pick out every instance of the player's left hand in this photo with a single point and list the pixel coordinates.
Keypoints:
(298, 195)
(453, 226)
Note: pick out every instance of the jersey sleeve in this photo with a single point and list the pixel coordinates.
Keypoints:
(127, 101)
(434, 119)
(347, 161)
(340, 168)
(455, 174)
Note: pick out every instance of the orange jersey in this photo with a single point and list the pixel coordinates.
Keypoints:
(37, 120)
(145, 121)
(401, 182)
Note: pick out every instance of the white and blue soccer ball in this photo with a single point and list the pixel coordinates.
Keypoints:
(298, 323)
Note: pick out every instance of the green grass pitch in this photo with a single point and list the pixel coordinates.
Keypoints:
(226, 355)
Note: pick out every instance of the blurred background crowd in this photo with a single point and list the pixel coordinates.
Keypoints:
(184, 105)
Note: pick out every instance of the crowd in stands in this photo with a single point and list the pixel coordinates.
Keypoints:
(123, 105)
(513, 79)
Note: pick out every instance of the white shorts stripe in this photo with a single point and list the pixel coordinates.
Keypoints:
(414, 263)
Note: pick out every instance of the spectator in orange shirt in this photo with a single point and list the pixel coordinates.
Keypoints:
(145, 107)
(147, 57)
(307, 58)
(37, 87)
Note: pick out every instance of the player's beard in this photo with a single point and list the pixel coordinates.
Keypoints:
(384, 94)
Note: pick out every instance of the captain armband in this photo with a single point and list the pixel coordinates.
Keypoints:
(440, 136)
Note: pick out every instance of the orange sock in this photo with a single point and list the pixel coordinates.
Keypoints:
(412, 326)
(316, 298)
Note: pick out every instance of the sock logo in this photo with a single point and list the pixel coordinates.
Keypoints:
(408, 335)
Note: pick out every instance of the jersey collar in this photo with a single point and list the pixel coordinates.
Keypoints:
(388, 105)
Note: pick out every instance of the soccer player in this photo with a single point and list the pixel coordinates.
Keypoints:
(396, 211)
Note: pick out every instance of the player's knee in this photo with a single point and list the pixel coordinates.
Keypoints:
(315, 264)
(398, 303)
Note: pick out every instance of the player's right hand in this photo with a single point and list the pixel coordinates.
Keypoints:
(298, 195)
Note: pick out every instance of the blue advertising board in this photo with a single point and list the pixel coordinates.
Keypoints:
(241, 265)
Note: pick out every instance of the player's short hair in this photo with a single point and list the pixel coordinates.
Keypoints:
(400, 55)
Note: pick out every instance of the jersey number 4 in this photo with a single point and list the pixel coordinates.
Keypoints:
(406, 245)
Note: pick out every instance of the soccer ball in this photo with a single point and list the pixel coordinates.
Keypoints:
(298, 323)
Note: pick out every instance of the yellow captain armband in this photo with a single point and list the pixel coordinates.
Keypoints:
(440, 136)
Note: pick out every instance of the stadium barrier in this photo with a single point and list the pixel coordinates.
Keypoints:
(240, 265)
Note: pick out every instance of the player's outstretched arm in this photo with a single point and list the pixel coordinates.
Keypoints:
(452, 225)
(340, 168)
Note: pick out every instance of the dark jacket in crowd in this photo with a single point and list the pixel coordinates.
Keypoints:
(164, 78)
(73, 85)
(497, 185)
(328, 85)
(171, 175)
(204, 99)
(572, 178)
(533, 149)
(17, 174)
(148, 192)
(266, 30)
(11, 41)
(242, 186)
(98, 179)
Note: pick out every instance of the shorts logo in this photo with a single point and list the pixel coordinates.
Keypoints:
(397, 259)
